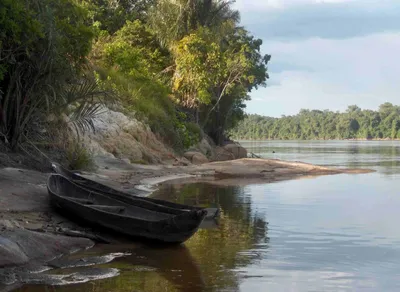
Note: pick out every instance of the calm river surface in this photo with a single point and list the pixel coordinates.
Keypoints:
(330, 233)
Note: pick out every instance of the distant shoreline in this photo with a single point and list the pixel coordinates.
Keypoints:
(355, 139)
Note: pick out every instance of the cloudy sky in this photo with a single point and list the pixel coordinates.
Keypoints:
(326, 54)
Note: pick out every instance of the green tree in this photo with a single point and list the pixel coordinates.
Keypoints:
(173, 20)
(395, 128)
(110, 16)
(43, 48)
(316, 124)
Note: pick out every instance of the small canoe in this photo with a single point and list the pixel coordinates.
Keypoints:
(148, 203)
(119, 216)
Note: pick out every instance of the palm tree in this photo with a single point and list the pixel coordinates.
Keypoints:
(171, 20)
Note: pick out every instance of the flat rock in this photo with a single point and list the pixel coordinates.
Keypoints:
(272, 169)
(10, 253)
(21, 246)
(23, 190)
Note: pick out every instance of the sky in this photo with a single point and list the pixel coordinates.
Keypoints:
(326, 54)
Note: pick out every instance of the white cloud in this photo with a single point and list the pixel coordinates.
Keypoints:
(363, 71)
(326, 54)
(255, 5)
(332, 20)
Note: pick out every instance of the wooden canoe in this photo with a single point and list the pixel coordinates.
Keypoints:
(145, 202)
(119, 216)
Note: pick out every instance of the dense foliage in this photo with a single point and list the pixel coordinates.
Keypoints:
(182, 66)
(179, 65)
(43, 45)
(354, 123)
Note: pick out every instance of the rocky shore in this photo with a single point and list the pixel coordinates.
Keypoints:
(32, 232)
(129, 157)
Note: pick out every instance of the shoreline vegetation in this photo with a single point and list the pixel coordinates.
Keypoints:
(350, 139)
(353, 124)
(184, 69)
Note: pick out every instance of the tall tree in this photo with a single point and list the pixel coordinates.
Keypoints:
(174, 19)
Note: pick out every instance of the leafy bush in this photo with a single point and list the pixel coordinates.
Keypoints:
(43, 45)
(149, 101)
(190, 133)
(78, 157)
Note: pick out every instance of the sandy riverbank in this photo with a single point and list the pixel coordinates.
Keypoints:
(28, 224)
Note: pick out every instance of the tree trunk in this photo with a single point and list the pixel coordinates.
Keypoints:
(219, 131)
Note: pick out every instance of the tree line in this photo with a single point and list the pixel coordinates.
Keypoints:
(354, 123)
(183, 66)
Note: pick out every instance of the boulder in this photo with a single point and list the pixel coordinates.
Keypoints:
(196, 157)
(237, 150)
(181, 162)
(221, 154)
(19, 246)
(205, 147)
(118, 135)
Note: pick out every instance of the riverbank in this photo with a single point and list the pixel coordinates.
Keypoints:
(321, 139)
(31, 231)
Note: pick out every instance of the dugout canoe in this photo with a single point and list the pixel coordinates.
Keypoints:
(128, 219)
(149, 203)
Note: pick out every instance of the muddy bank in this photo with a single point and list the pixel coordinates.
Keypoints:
(30, 228)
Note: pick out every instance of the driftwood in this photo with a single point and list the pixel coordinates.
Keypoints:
(252, 155)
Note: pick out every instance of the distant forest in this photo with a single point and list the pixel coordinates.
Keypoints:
(354, 123)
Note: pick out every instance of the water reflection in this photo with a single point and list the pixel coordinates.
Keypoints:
(323, 234)
(240, 239)
(376, 154)
(204, 263)
(142, 269)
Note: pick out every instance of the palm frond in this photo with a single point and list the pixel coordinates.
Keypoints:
(87, 90)
(82, 118)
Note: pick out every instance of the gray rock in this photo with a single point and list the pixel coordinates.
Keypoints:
(11, 253)
(20, 246)
(196, 157)
(221, 154)
(118, 135)
(237, 150)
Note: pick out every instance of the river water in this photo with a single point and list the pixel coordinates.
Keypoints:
(329, 233)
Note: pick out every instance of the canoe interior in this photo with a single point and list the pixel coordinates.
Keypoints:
(103, 189)
(62, 187)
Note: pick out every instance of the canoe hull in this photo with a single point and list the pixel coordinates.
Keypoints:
(150, 203)
(169, 229)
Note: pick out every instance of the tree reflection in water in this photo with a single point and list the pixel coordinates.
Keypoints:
(221, 250)
(206, 262)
